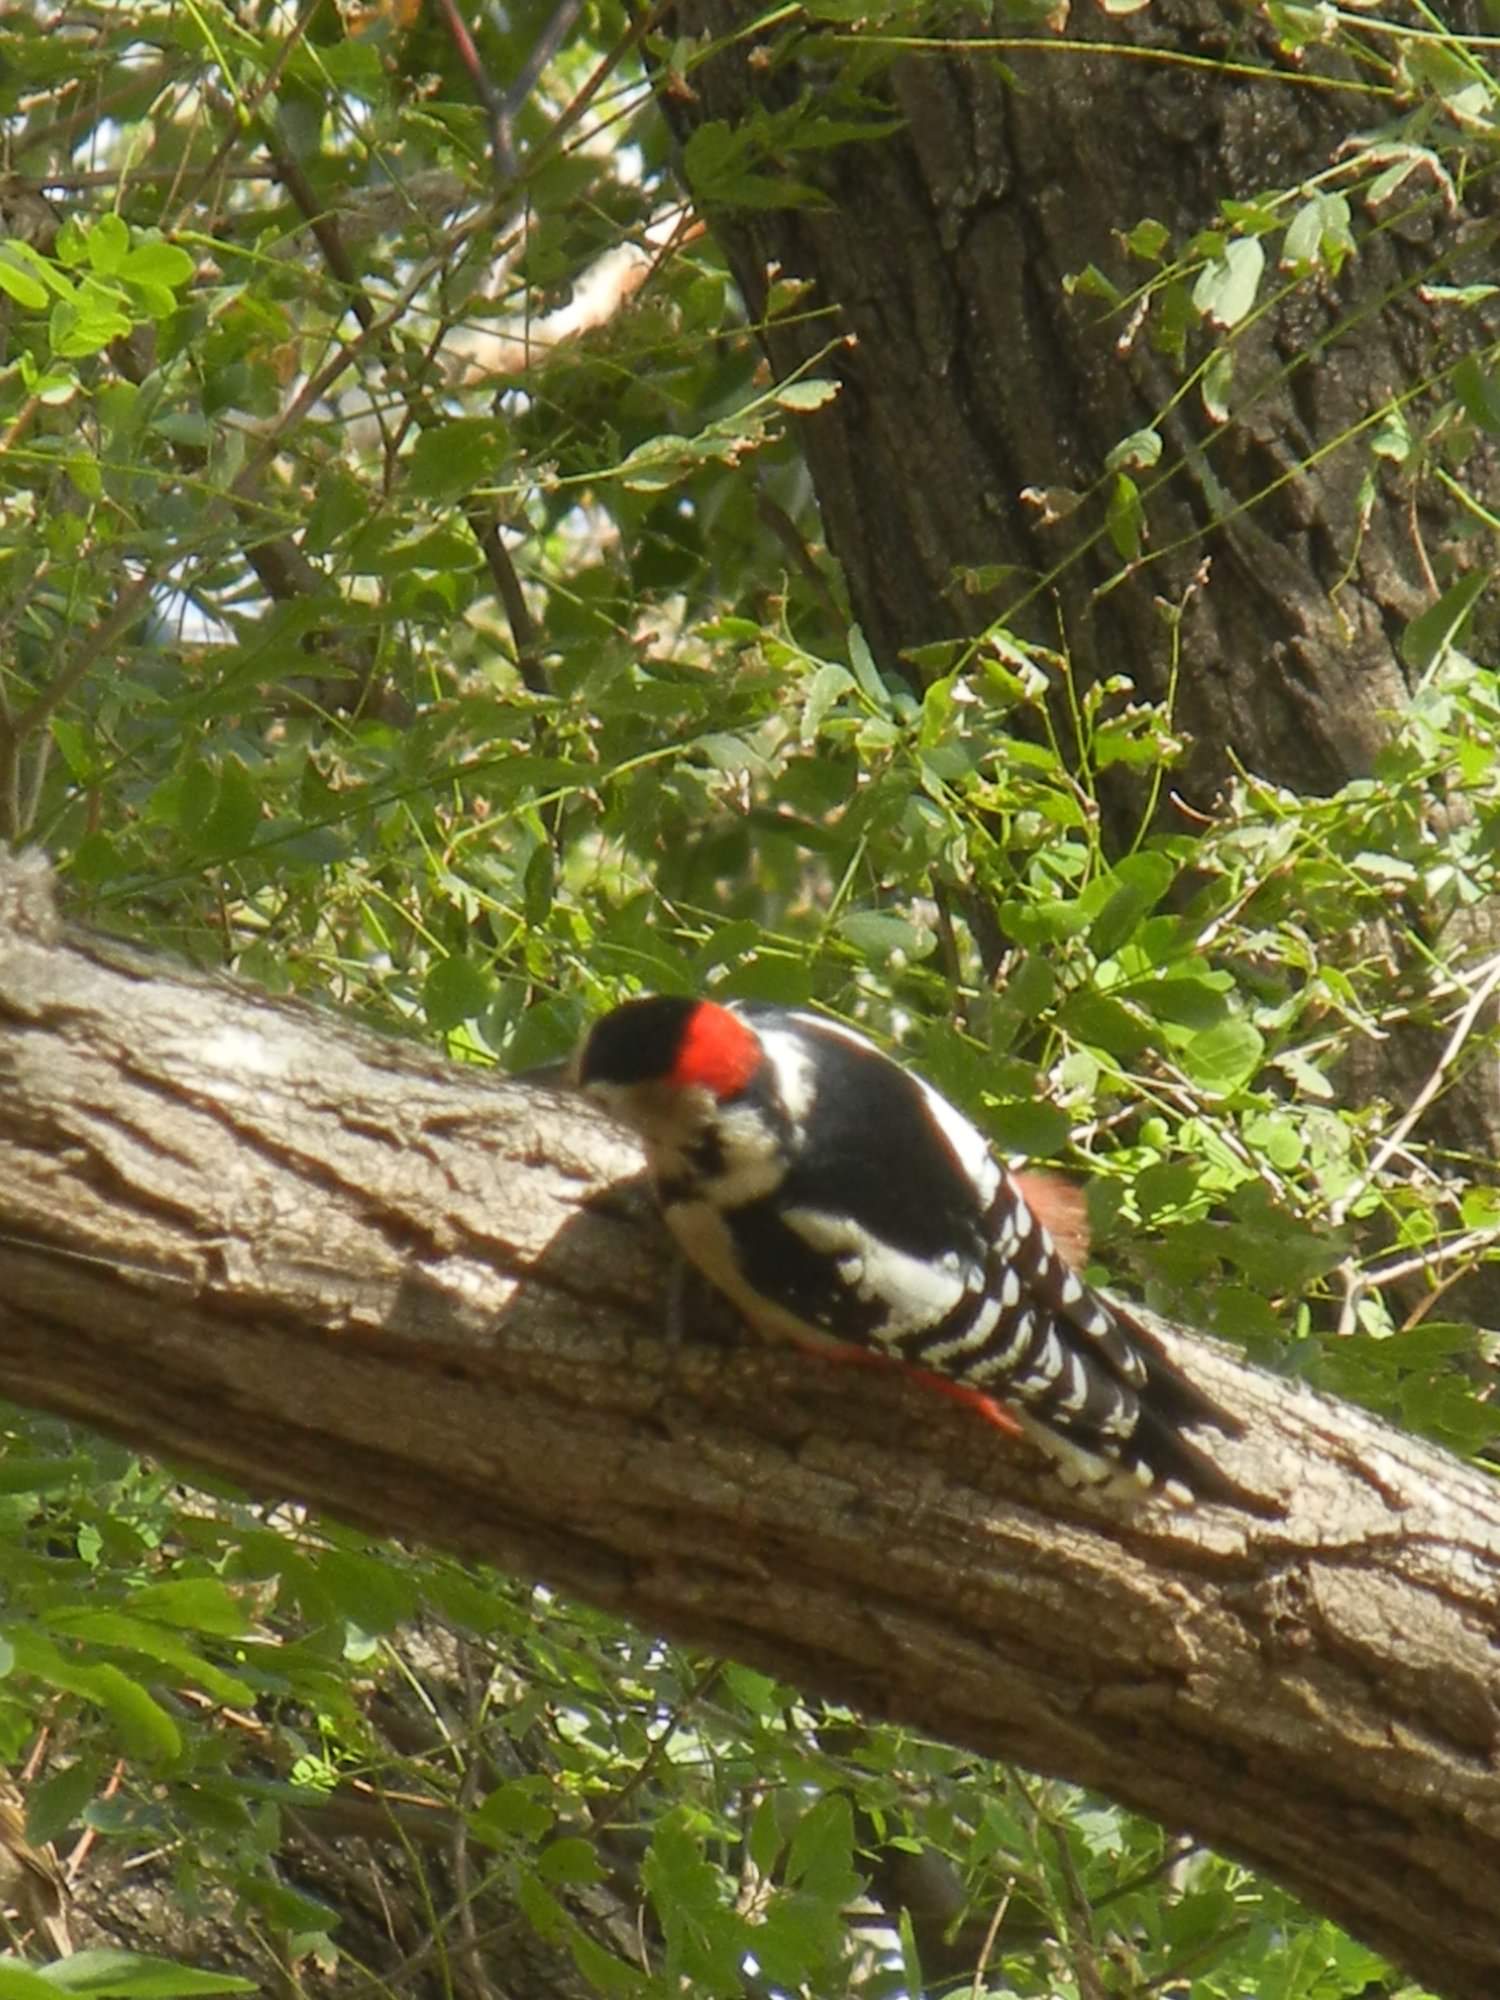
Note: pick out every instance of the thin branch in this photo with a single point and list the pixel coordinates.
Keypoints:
(543, 49)
(1462, 1029)
(604, 1810)
(485, 529)
(503, 163)
(990, 1935)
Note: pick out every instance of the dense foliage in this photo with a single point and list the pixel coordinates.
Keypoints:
(413, 599)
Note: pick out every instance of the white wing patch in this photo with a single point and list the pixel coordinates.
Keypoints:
(967, 1141)
(915, 1293)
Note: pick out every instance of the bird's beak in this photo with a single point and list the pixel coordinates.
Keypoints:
(548, 1076)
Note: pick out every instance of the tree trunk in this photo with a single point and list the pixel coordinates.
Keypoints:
(979, 391)
(239, 1233)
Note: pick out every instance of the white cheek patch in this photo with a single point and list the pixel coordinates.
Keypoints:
(754, 1164)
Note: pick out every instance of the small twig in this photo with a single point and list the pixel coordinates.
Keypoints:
(543, 49)
(603, 1810)
(503, 164)
(321, 222)
(17, 813)
(1461, 1030)
(1173, 1855)
(98, 641)
(242, 112)
(1081, 1928)
(468, 1789)
(486, 531)
(1430, 1259)
(989, 1939)
(73, 1866)
(19, 424)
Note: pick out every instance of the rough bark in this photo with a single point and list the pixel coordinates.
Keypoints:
(975, 372)
(237, 1232)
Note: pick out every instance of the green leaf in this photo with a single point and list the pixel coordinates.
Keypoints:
(452, 459)
(1126, 518)
(102, 1627)
(1166, 1187)
(197, 1603)
(660, 462)
(18, 281)
(1227, 285)
(1278, 1137)
(57, 1802)
(1218, 378)
(455, 990)
(84, 475)
(881, 934)
(107, 242)
(518, 1809)
(1104, 1024)
(914, 1978)
(285, 1906)
(234, 818)
(572, 1859)
(1035, 1131)
(23, 1474)
(368, 1586)
(1091, 283)
(1433, 631)
(82, 325)
(821, 1855)
(17, 1982)
(129, 1975)
(1477, 387)
(829, 684)
(1225, 1057)
(1141, 880)
(1139, 452)
(146, 1729)
(1031, 987)
(1184, 1002)
(189, 427)
(872, 683)
(807, 394)
(1148, 240)
(1480, 1208)
(157, 263)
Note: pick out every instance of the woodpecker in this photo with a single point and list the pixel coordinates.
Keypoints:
(840, 1203)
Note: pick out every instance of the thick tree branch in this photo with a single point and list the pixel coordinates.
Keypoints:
(243, 1234)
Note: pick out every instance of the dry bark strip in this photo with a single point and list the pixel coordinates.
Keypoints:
(242, 1234)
